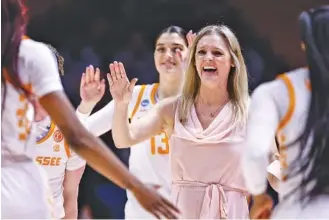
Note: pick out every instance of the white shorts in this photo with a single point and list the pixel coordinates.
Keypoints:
(25, 192)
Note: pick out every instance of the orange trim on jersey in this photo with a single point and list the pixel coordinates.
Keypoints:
(50, 132)
(138, 102)
(27, 87)
(24, 37)
(292, 101)
(67, 149)
(153, 93)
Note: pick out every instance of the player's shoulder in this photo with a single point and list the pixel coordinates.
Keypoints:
(267, 88)
(31, 51)
(297, 73)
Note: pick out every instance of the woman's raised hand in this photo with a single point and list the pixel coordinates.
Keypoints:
(120, 87)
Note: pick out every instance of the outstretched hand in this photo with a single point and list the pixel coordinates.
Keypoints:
(190, 38)
(92, 88)
(155, 203)
(120, 87)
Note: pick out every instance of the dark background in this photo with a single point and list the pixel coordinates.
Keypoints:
(98, 32)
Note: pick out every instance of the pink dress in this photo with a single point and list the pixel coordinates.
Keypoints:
(207, 181)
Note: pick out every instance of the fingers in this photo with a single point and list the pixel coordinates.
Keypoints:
(167, 211)
(154, 212)
(112, 72)
(190, 37)
(87, 74)
(170, 205)
(97, 75)
(83, 80)
(117, 70)
(110, 79)
(122, 70)
(102, 86)
(91, 76)
(91, 73)
(132, 84)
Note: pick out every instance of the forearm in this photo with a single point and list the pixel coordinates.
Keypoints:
(121, 133)
(86, 108)
(101, 159)
(71, 208)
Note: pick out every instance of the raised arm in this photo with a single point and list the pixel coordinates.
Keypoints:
(47, 86)
(159, 118)
(92, 89)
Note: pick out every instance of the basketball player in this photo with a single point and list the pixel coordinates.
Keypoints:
(295, 108)
(29, 70)
(63, 166)
(148, 160)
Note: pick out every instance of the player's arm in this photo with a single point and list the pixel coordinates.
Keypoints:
(91, 92)
(261, 127)
(159, 118)
(46, 83)
(100, 122)
(71, 190)
(73, 173)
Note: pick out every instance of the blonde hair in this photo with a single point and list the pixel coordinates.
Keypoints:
(237, 84)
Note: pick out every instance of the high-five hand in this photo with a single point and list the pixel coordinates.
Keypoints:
(190, 36)
(120, 87)
(155, 203)
(92, 88)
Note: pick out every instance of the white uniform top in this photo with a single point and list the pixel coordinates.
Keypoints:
(55, 156)
(277, 108)
(24, 190)
(149, 160)
(38, 72)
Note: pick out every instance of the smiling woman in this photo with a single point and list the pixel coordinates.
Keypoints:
(205, 125)
(150, 159)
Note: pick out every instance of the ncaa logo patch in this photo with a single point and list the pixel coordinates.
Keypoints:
(58, 136)
(145, 102)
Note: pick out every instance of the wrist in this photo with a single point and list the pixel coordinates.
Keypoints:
(134, 185)
(121, 106)
(86, 107)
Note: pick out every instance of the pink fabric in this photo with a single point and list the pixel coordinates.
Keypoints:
(205, 166)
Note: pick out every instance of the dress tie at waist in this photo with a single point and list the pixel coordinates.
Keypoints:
(214, 205)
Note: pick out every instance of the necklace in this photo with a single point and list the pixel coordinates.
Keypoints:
(213, 114)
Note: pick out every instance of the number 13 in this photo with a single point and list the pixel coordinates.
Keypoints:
(160, 149)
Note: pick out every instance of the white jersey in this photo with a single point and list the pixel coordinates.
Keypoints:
(55, 156)
(280, 108)
(149, 160)
(37, 70)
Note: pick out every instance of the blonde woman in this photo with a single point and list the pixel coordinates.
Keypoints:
(205, 125)
(148, 160)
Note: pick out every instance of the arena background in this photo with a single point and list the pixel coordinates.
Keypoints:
(100, 31)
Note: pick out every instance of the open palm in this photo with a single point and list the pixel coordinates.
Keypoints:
(92, 88)
(120, 87)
